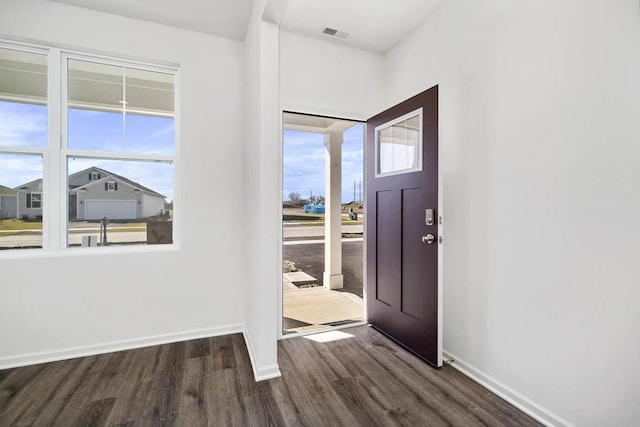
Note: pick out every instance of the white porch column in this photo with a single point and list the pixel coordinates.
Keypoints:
(332, 277)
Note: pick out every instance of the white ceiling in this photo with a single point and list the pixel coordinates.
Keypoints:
(374, 25)
(225, 18)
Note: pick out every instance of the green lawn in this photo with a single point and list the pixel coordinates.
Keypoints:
(127, 228)
(17, 224)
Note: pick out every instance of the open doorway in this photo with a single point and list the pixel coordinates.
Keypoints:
(322, 223)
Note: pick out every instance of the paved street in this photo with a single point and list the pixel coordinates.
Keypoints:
(31, 238)
(304, 245)
(290, 231)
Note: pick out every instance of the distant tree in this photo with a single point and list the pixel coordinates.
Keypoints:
(320, 200)
(295, 197)
(312, 200)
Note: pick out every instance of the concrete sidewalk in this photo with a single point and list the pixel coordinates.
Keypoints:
(296, 231)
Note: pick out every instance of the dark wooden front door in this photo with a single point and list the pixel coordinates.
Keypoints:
(402, 224)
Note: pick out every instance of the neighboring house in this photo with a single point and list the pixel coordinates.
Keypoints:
(8, 202)
(29, 200)
(96, 193)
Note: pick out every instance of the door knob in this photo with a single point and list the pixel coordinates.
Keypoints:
(428, 239)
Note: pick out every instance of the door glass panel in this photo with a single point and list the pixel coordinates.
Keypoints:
(398, 145)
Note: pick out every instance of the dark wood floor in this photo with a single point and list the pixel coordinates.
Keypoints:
(365, 380)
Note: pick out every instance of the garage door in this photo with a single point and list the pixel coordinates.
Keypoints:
(112, 209)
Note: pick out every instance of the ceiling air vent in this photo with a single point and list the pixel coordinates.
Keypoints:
(331, 32)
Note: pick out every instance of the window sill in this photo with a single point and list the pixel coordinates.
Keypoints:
(10, 254)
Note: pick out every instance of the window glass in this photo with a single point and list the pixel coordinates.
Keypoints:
(119, 127)
(150, 134)
(95, 106)
(23, 139)
(119, 110)
(23, 76)
(23, 99)
(398, 145)
(20, 201)
(23, 125)
(131, 202)
(113, 108)
(149, 121)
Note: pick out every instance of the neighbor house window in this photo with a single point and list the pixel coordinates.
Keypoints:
(120, 127)
(23, 143)
(34, 200)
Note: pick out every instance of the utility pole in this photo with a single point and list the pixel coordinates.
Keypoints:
(360, 192)
(354, 190)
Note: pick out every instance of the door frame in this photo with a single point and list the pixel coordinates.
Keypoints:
(321, 112)
(362, 117)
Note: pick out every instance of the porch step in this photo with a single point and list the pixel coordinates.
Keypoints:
(300, 278)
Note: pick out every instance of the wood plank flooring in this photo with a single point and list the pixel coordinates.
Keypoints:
(365, 380)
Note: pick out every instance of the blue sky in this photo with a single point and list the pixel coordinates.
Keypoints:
(303, 163)
(25, 125)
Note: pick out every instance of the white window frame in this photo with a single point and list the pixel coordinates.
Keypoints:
(42, 152)
(111, 186)
(94, 176)
(389, 124)
(56, 153)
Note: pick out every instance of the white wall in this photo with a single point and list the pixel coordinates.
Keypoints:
(539, 113)
(262, 211)
(328, 78)
(295, 73)
(62, 305)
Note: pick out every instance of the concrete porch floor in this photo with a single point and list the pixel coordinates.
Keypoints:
(310, 309)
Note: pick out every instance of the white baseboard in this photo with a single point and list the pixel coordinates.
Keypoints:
(521, 402)
(71, 353)
(260, 373)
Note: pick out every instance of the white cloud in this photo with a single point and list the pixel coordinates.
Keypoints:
(168, 129)
(18, 169)
(23, 124)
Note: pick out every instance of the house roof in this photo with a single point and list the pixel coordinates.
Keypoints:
(106, 174)
(27, 184)
(6, 191)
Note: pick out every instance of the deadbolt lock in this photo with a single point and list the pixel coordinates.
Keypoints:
(429, 216)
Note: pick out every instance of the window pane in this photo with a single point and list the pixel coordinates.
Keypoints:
(398, 146)
(133, 196)
(23, 99)
(94, 130)
(95, 106)
(20, 201)
(149, 92)
(23, 76)
(149, 104)
(149, 134)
